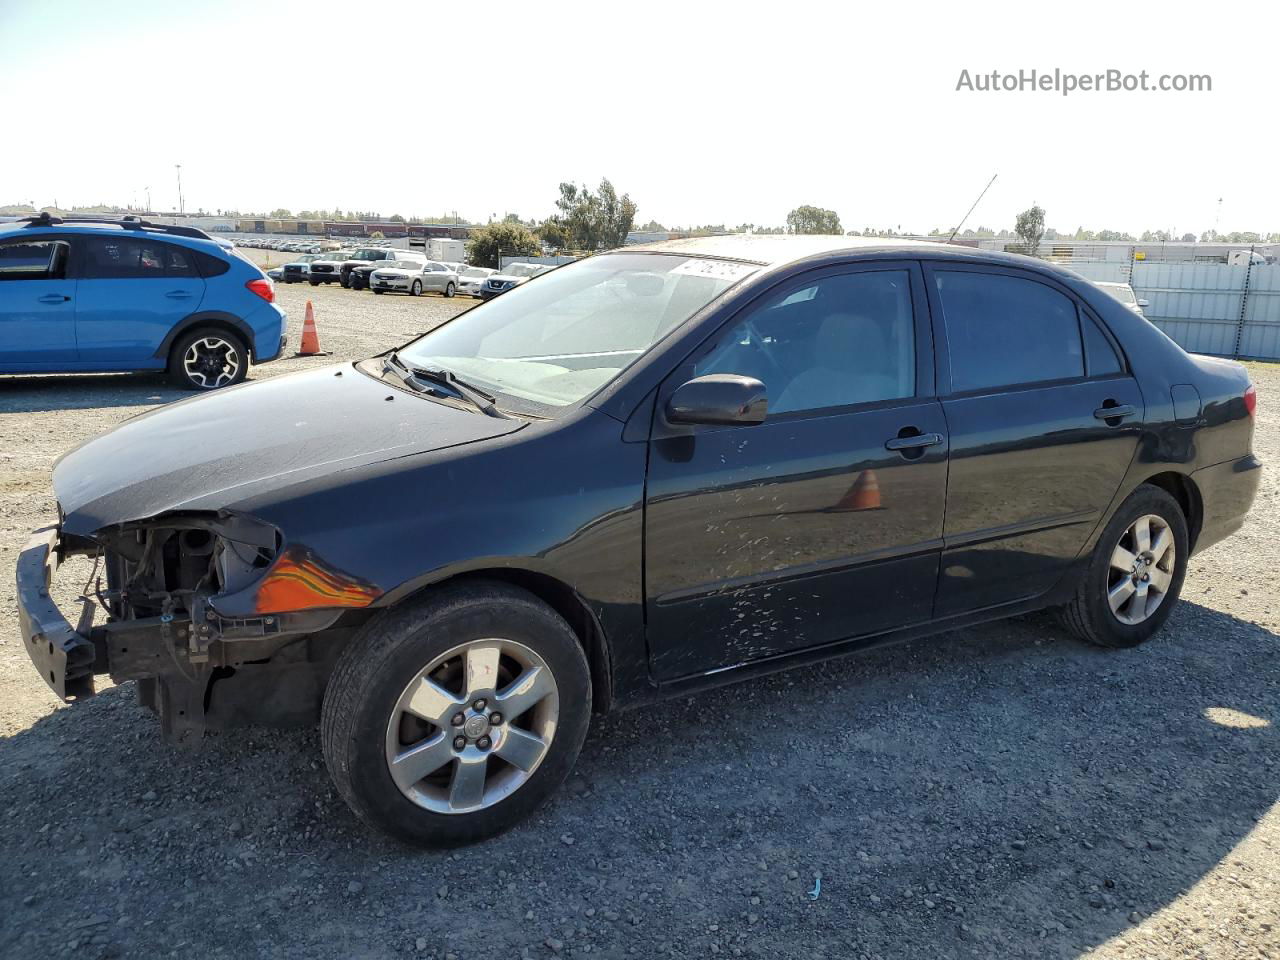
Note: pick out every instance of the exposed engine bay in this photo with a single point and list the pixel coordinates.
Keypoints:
(183, 597)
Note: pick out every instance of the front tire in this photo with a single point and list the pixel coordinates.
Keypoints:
(1135, 574)
(451, 719)
(208, 358)
(416, 288)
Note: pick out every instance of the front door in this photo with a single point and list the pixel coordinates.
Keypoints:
(825, 521)
(1035, 458)
(132, 292)
(37, 305)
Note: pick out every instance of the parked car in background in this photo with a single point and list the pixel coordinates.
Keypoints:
(327, 267)
(276, 274)
(364, 256)
(414, 277)
(358, 277)
(100, 294)
(471, 279)
(1124, 293)
(512, 275)
(299, 270)
(946, 436)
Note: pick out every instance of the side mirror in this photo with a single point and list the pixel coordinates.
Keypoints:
(1144, 303)
(719, 398)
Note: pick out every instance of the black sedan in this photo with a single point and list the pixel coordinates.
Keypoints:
(641, 474)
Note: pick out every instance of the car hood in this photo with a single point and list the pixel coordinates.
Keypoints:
(216, 450)
(391, 272)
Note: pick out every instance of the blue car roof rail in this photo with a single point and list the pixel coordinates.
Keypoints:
(46, 219)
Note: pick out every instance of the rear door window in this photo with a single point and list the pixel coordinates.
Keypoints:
(1004, 330)
(122, 258)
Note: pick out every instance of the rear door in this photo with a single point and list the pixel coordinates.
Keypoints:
(825, 521)
(37, 304)
(132, 291)
(1030, 375)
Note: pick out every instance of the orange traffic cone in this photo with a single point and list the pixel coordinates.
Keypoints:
(863, 495)
(310, 346)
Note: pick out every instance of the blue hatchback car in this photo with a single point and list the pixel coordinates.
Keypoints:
(96, 295)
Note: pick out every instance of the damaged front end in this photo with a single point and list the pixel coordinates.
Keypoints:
(204, 610)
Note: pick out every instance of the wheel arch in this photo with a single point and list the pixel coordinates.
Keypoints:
(561, 598)
(1184, 490)
(214, 319)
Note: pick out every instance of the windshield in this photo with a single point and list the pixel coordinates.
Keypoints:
(476, 272)
(369, 253)
(522, 269)
(557, 341)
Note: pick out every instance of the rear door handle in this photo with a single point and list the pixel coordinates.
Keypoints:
(911, 443)
(178, 295)
(53, 298)
(1120, 410)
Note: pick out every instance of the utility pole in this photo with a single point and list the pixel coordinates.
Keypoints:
(178, 167)
(148, 189)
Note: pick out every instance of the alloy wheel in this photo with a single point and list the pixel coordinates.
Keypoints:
(472, 727)
(1141, 572)
(211, 362)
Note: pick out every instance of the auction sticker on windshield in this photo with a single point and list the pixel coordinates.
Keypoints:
(716, 269)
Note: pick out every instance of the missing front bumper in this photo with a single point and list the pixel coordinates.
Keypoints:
(64, 657)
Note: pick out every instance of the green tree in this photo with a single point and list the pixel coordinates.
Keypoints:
(488, 244)
(595, 221)
(1030, 229)
(811, 219)
(280, 213)
(553, 233)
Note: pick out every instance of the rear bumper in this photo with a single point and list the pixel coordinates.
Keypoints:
(270, 333)
(1226, 492)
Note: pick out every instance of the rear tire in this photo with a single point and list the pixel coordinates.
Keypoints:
(208, 358)
(1135, 575)
(462, 653)
(448, 290)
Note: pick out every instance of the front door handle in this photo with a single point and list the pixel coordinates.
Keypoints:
(911, 443)
(1117, 411)
(178, 295)
(53, 298)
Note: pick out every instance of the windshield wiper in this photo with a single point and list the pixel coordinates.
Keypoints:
(413, 377)
(481, 400)
(393, 364)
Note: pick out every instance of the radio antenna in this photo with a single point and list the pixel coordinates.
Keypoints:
(970, 210)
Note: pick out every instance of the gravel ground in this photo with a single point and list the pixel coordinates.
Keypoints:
(995, 792)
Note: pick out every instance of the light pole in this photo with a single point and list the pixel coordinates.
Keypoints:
(178, 167)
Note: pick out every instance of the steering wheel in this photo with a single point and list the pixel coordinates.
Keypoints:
(757, 341)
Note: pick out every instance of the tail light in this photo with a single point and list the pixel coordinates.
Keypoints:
(264, 288)
(1251, 399)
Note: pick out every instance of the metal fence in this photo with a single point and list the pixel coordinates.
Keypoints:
(1228, 311)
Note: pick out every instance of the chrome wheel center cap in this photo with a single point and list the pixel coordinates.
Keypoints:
(475, 727)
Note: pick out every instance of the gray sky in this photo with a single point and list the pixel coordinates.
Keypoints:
(703, 112)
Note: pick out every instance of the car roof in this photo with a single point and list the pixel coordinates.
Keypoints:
(773, 249)
(12, 231)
